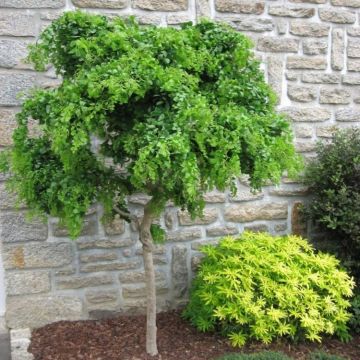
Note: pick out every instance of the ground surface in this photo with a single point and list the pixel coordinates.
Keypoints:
(123, 338)
(4, 341)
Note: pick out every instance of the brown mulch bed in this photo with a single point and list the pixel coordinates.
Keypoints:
(123, 338)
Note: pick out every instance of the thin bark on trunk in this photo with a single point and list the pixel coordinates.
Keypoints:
(147, 244)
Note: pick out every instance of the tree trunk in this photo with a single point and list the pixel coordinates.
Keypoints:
(147, 243)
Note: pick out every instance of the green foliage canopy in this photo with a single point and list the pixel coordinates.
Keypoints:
(259, 287)
(178, 112)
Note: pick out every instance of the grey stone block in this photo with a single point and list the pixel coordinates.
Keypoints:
(27, 282)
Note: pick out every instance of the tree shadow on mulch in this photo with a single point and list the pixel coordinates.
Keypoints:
(123, 338)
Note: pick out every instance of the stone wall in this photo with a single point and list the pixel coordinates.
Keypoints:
(310, 52)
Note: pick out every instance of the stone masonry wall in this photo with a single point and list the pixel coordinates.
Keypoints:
(310, 52)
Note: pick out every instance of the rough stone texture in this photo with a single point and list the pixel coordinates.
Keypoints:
(320, 78)
(302, 28)
(275, 66)
(290, 11)
(302, 93)
(20, 341)
(315, 46)
(353, 48)
(36, 311)
(337, 49)
(14, 227)
(334, 96)
(337, 16)
(179, 270)
(27, 282)
(210, 216)
(309, 63)
(308, 53)
(240, 6)
(37, 255)
(13, 52)
(274, 44)
(79, 281)
(162, 5)
(16, 24)
(106, 4)
(247, 213)
(348, 114)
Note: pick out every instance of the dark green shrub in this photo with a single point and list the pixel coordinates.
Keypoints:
(334, 178)
(354, 322)
(323, 356)
(262, 287)
(266, 355)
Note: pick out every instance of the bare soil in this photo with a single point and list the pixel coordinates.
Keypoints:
(123, 338)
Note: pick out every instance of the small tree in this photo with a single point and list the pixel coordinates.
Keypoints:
(178, 112)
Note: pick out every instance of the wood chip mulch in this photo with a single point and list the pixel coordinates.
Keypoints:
(123, 338)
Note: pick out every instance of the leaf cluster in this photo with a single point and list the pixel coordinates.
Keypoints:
(334, 178)
(265, 355)
(176, 112)
(262, 287)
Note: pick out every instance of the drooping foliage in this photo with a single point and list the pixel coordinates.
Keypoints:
(259, 287)
(176, 112)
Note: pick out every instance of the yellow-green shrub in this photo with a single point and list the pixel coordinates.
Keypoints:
(261, 287)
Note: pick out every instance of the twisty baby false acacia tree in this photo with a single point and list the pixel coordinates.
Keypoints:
(178, 112)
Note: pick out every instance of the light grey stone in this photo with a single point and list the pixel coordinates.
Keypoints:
(139, 199)
(103, 243)
(17, 24)
(240, 6)
(115, 227)
(197, 245)
(209, 216)
(320, 78)
(222, 230)
(353, 65)
(138, 276)
(350, 3)
(82, 281)
(254, 24)
(309, 1)
(169, 219)
(305, 146)
(280, 227)
(105, 4)
(32, 4)
(101, 296)
(20, 341)
(110, 266)
(179, 270)
(315, 46)
(13, 52)
(303, 131)
(27, 282)
(337, 16)
(65, 271)
(294, 191)
(98, 256)
(203, 9)
(353, 48)
(353, 31)
(302, 93)
(348, 114)
(12, 84)
(312, 114)
(7, 199)
(183, 235)
(311, 29)
(291, 75)
(161, 5)
(337, 49)
(37, 311)
(275, 66)
(244, 194)
(334, 96)
(37, 255)
(7, 126)
(309, 63)
(291, 11)
(326, 131)
(353, 79)
(276, 44)
(250, 212)
(139, 290)
(176, 19)
(15, 227)
(196, 261)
